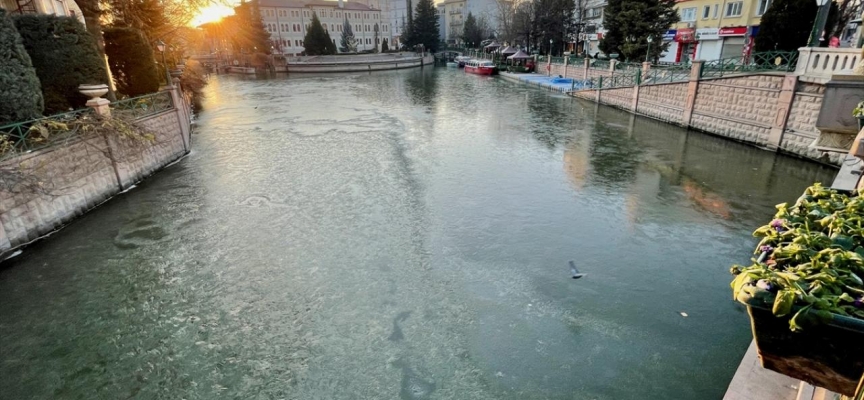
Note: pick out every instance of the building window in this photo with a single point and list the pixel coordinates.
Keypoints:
(688, 14)
(734, 9)
(716, 11)
(595, 12)
(706, 12)
(763, 6)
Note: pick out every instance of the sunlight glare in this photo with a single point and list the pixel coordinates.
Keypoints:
(212, 14)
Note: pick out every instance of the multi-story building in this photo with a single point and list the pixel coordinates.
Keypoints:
(398, 18)
(591, 17)
(454, 20)
(441, 12)
(288, 20)
(714, 29)
(66, 8)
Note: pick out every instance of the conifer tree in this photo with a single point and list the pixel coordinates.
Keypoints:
(637, 20)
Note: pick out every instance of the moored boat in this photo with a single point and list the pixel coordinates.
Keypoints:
(480, 67)
(452, 64)
(462, 60)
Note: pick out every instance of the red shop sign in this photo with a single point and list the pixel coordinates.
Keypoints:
(734, 31)
(685, 35)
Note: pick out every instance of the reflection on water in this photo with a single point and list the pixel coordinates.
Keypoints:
(402, 235)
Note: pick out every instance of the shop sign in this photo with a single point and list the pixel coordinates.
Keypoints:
(669, 35)
(685, 35)
(734, 31)
(707, 34)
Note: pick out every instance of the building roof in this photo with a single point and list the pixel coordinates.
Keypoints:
(347, 5)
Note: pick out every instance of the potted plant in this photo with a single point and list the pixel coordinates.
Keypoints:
(858, 112)
(804, 291)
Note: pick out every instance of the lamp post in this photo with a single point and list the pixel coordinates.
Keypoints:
(160, 45)
(648, 54)
(819, 24)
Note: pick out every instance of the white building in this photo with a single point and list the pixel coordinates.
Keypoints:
(454, 21)
(593, 30)
(398, 18)
(442, 21)
(288, 20)
(66, 8)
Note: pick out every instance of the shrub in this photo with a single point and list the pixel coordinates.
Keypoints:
(192, 82)
(64, 56)
(20, 91)
(130, 58)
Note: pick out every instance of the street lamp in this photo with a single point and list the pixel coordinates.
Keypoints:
(160, 45)
(819, 24)
(550, 49)
(648, 54)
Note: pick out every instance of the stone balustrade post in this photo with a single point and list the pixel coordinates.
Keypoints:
(692, 91)
(586, 65)
(784, 105)
(612, 65)
(646, 67)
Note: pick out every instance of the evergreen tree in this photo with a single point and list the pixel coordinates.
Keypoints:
(384, 47)
(130, 57)
(250, 28)
(787, 25)
(424, 27)
(317, 41)
(330, 48)
(637, 19)
(471, 34)
(375, 38)
(20, 92)
(553, 20)
(348, 43)
(407, 27)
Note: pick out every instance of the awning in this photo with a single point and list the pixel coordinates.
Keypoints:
(520, 55)
(493, 45)
(509, 50)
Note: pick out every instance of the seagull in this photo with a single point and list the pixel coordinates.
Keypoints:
(574, 271)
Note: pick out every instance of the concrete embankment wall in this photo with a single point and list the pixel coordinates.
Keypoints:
(775, 111)
(56, 184)
(348, 66)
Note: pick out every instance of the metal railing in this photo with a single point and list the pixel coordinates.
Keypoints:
(143, 106)
(627, 79)
(769, 61)
(665, 74)
(24, 137)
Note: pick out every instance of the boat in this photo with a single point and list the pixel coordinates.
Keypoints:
(480, 67)
(461, 60)
(452, 64)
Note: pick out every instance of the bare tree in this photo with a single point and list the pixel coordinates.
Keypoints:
(506, 10)
(847, 10)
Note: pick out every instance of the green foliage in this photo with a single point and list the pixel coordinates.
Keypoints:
(147, 16)
(20, 91)
(811, 260)
(347, 42)
(471, 33)
(629, 24)
(192, 81)
(423, 27)
(384, 46)
(553, 20)
(130, 58)
(786, 25)
(317, 41)
(249, 34)
(64, 55)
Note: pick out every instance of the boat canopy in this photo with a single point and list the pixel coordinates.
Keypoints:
(520, 55)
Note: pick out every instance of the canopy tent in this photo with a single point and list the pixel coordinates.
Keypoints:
(493, 45)
(509, 50)
(520, 55)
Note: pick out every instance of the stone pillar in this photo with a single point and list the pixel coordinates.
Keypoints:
(635, 103)
(646, 67)
(100, 106)
(566, 61)
(612, 65)
(178, 101)
(692, 91)
(784, 104)
(586, 65)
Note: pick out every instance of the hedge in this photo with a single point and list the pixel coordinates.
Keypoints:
(20, 90)
(64, 55)
(130, 58)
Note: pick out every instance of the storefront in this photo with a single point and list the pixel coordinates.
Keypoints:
(671, 52)
(687, 45)
(592, 43)
(710, 44)
(734, 40)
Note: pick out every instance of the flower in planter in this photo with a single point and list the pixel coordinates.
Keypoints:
(858, 112)
(815, 263)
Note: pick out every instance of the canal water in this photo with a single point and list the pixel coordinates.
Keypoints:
(402, 235)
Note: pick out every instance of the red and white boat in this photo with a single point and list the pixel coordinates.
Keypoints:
(480, 67)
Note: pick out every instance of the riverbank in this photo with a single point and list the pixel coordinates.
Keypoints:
(355, 63)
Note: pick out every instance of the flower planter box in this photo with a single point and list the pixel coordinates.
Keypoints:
(829, 355)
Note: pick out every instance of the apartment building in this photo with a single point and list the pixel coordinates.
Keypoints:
(714, 29)
(66, 8)
(288, 20)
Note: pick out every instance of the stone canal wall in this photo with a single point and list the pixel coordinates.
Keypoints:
(53, 185)
(775, 111)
